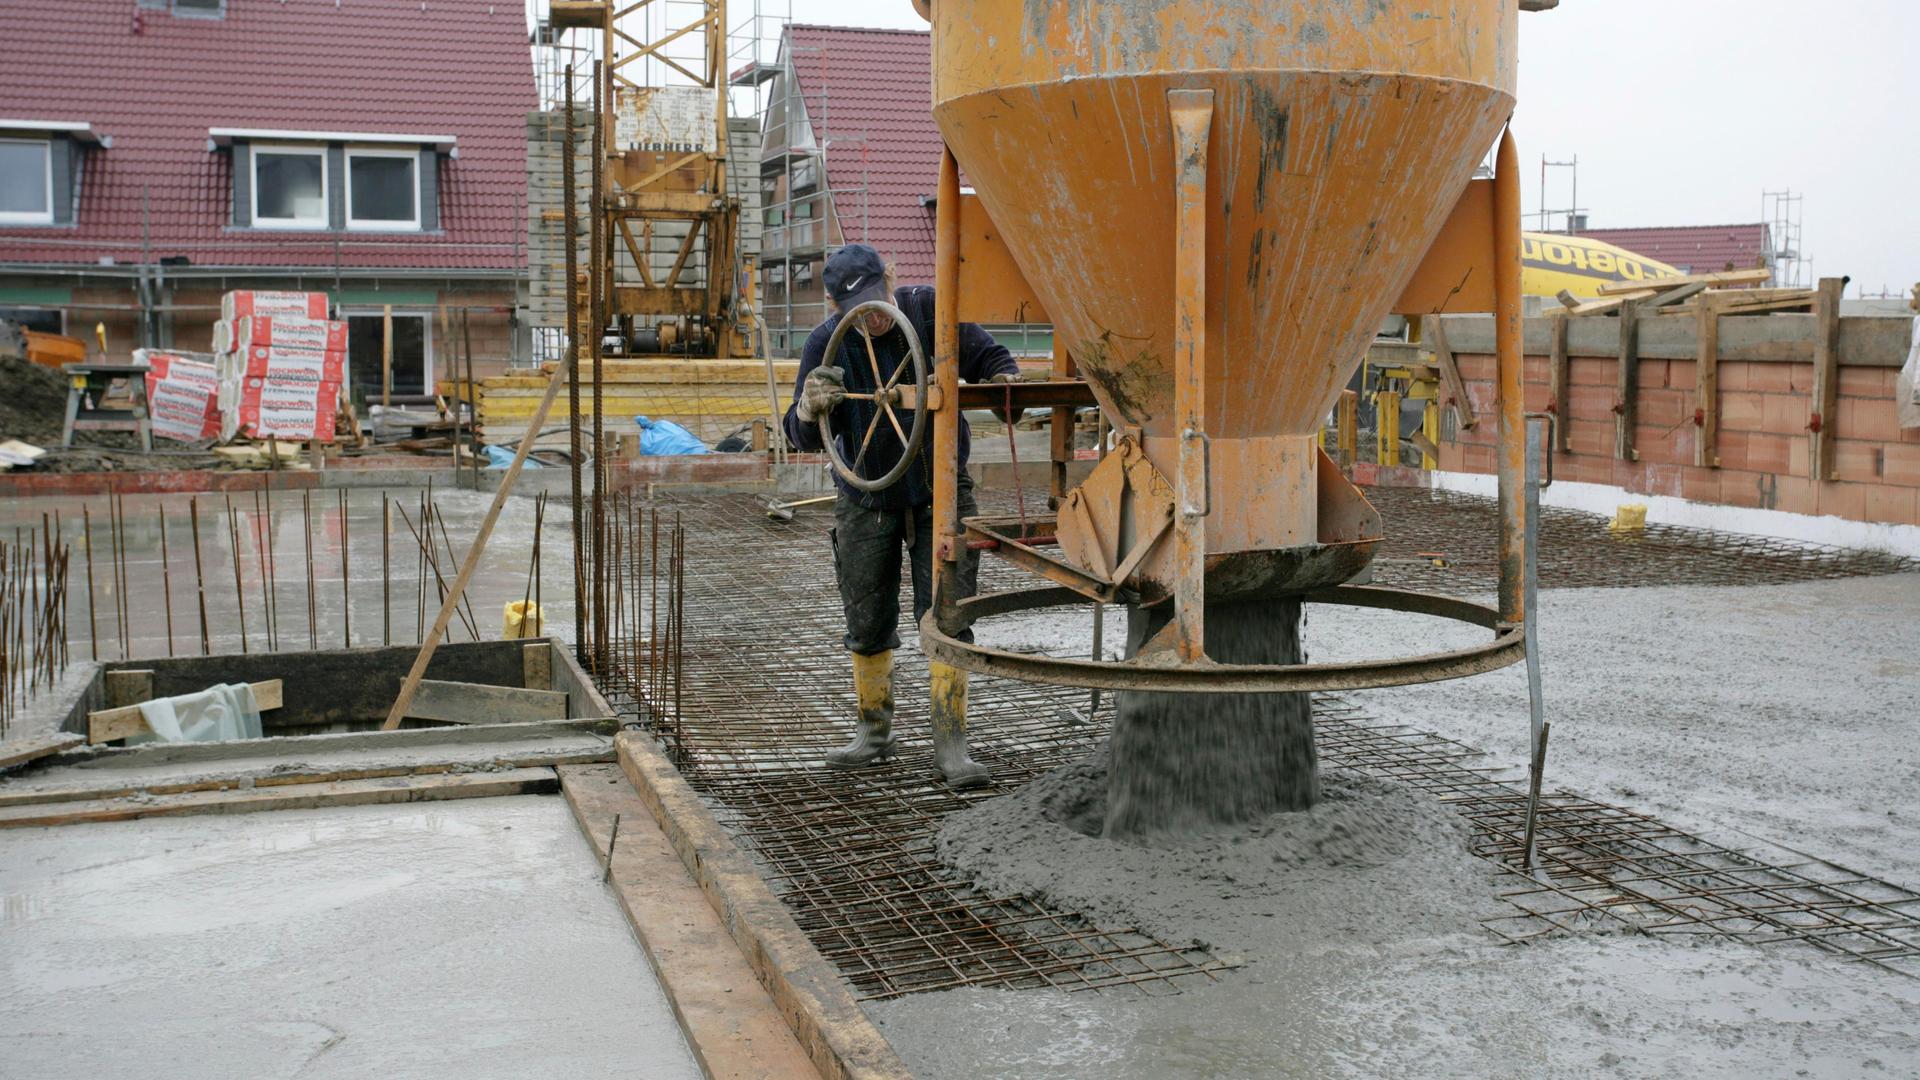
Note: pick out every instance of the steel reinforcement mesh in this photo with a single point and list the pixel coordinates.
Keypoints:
(747, 687)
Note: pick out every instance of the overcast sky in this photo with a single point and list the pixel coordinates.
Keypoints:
(1683, 111)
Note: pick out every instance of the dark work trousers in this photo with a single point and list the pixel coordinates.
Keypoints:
(866, 560)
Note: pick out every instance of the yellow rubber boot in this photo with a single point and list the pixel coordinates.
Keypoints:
(950, 758)
(873, 732)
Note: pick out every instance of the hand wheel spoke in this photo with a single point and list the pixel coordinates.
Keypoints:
(872, 426)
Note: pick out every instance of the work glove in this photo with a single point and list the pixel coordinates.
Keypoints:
(1007, 416)
(825, 387)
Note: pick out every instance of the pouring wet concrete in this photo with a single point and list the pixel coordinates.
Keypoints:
(427, 940)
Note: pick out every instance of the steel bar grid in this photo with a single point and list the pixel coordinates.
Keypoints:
(1577, 550)
(731, 659)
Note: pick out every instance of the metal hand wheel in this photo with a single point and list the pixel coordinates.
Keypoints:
(884, 400)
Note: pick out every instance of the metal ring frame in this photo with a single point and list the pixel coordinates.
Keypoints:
(1206, 677)
(883, 398)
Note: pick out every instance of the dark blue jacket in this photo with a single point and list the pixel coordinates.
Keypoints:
(981, 358)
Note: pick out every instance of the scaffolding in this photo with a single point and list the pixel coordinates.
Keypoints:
(1780, 211)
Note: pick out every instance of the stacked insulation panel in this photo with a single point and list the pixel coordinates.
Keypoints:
(281, 365)
(183, 390)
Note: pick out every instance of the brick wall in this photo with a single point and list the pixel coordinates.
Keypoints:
(1763, 447)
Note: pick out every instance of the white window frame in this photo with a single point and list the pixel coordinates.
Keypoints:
(377, 225)
(319, 224)
(29, 217)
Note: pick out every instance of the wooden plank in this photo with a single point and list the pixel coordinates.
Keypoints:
(392, 789)
(106, 725)
(1559, 384)
(1611, 304)
(1673, 296)
(1826, 375)
(130, 686)
(1627, 382)
(472, 562)
(536, 665)
(731, 1023)
(1434, 333)
(1706, 383)
(475, 703)
(24, 750)
(819, 1004)
(1722, 277)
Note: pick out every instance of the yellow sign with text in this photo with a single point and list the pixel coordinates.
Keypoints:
(1552, 262)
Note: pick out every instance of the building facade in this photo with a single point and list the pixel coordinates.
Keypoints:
(157, 153)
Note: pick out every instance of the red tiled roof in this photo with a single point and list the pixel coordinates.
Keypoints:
(1694, 249)
(155, 83)
(869, 97)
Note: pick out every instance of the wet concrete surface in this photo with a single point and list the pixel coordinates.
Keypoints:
(465, 939)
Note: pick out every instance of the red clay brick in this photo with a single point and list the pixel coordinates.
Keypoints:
(1784, 414)
(1800, 457)
(1768, 453)
(1479, 459)
(1902, 464)
(1700, 484)
(1739, 488)
(1858, 461)
(1668, 444)
(1734, 374)
(1844, 500)
(1866, 382)
(1899, 505)
(1663, 408)
(1591, 371)
(1877, 419)
(1656, 479)
(1795, 495)
(1652, 374)
(1741, 410)
(1476, 366)
(1590, 402)
(1535, 396)
(1733, 449)
(1680, 374)
(1592, 439)
(1770, 378)
(1535, 370)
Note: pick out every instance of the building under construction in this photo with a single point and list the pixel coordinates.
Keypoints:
(1346, 644)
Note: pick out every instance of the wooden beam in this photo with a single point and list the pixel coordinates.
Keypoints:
(472, 562)
(1558, 381)
(731, 1023)
(386, 789)
(1627, 382)
(1723, 277)
(128, 686)
(1434, 333)
(1706, 383)
(106, 725)
(25, 750)
(1612, 303)
(476, 703)
(1674, 295)
(1826, 375)
(536, 665)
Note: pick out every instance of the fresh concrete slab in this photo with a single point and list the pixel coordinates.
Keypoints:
(469, 939)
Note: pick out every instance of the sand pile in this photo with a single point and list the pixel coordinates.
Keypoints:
(35, 402)
(1373, 863)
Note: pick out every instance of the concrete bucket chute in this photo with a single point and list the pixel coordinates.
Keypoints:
(1337, 139)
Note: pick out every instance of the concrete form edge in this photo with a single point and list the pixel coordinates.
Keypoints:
(819, 1005)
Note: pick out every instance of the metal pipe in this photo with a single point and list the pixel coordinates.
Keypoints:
(1508, 346)
(946, 375)
(569, 163)
(596, 300)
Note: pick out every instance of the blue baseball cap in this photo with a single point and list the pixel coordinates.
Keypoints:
(854, 275)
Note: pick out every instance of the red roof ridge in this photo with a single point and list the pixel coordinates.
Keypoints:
(857, 29)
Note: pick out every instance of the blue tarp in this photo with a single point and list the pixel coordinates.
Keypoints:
(500, 457)
(664, 438)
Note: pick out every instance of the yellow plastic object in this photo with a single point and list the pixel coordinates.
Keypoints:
(873, 683)
(1629, 518)
(522, 619)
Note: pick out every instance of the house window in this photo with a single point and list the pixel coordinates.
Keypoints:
(205, 9)
(412, 353)
(383, 189)
(290, 187)
(26, 182)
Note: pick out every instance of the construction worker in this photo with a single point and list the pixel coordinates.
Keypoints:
(871, 528)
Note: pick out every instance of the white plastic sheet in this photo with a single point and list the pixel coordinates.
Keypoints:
(217, 714)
